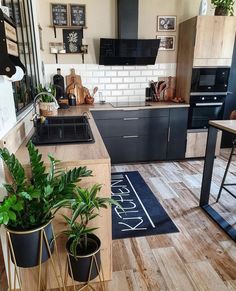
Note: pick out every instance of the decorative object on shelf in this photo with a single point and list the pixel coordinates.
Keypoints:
(29, 208)
(77, 15)
(84, 49)
(167, 42)
(47, 100)
(223, 7)
(203, 7)
(83, 247)
(9, 48)
(74, 86)
(57, 48)
(72, 39)
(166, 23)
(59, 14)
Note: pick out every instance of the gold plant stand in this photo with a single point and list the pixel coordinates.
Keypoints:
(40, 284)
(88, 283)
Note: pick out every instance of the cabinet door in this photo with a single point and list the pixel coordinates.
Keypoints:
(215, 37)
(177, 134)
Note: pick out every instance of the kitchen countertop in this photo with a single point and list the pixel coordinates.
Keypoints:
(227, 125)
(85, 153)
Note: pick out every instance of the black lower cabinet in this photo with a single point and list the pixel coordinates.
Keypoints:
(143, 135)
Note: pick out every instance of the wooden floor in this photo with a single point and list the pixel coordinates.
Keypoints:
(199, 257)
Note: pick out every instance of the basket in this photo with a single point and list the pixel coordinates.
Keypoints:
(48, 108)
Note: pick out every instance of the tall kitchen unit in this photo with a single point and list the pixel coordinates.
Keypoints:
(205, 52)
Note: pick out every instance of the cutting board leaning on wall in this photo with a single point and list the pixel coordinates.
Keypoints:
(74, 86)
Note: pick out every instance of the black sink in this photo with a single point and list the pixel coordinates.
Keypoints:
(62, 130)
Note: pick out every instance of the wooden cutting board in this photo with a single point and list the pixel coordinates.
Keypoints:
(74, 86)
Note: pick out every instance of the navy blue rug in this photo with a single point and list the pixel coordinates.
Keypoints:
(142, 214)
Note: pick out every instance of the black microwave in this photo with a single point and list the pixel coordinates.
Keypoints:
(210, 80)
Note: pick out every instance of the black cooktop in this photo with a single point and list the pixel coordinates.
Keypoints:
(129, 104)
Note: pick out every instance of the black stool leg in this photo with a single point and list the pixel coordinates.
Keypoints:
(226, 171)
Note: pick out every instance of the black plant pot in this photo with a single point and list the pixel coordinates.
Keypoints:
(219, 11)
(81, 264)
(26, 246)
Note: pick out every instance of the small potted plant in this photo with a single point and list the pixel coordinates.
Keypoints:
(47, 102)
(223, 7)
(32, 202)
(83, 245)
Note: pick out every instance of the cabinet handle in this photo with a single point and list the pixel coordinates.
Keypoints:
(131, 118)
(169, 134)
(130, 136)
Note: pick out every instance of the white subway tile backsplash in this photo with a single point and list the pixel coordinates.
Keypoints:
(116, 80)
(105, 80)
(117, 68)
(111, 74)
(129, 80)
(147, 73)
(140, 79)
(123, 86)
(117, 93)
(111, 87)
(117, 83)
(98, 73)
(123, 74)
(135, 73)
(134, 86)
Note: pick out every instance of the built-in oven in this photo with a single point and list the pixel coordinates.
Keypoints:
(204, 108)
(210, 79)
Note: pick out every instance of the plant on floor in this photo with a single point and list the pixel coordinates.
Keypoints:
(83, 246)
(46, 98)
(33, 202)
(223, 7)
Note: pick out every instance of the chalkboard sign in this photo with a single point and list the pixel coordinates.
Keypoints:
(72, 39)
(77, 15)
(59, 14)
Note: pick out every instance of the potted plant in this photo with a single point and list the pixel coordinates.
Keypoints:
(47, 102)
(32, 203)
(223, 7)
(83, 246)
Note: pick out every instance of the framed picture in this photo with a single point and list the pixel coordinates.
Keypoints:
(167, 42)
(59, 14)
(77, 15)
(166, 23)
(72, 39)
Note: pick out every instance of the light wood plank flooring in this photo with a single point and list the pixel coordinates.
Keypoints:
(199, 257)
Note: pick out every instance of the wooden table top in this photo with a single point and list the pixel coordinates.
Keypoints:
(226, 125)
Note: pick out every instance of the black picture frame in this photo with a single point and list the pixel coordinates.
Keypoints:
(78, 15)
(72, 39)
(59, 14)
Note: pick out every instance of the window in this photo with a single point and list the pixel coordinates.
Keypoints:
(21, 13)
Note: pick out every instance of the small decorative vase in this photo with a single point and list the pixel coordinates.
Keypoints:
(203, 7)
(220, 11)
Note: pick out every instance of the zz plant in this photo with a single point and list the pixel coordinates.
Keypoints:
(32, 202)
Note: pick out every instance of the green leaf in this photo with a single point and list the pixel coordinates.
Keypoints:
(25, 195)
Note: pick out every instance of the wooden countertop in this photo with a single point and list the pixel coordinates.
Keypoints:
(87, 153)
(226, 125)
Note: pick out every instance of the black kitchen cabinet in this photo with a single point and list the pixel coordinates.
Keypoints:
(177, 135)
(143, 135)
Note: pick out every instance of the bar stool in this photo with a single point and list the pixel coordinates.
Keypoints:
(223, 184)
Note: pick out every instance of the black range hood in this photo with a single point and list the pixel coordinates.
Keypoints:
(128, 49)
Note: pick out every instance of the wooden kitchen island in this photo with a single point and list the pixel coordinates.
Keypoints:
(214, 126)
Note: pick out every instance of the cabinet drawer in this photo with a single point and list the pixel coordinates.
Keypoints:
(136, 148)
(120, 114)
(131, 126)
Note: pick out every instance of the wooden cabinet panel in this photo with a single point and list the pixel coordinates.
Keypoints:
(215, 37)
(196, 144)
